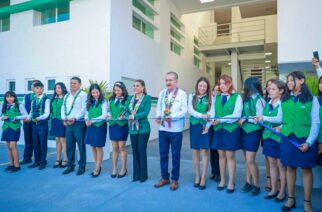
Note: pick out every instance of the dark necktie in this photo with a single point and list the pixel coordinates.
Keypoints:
(271, 107)
(223, 99)
(295, 99)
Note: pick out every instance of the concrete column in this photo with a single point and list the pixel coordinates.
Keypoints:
(235, 71)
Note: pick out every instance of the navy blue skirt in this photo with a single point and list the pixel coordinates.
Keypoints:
(251, 141)
(227, 141)
(10, 135)
(272, 148)
(57, 128)
(197, 139)
(118, 133)
(293, 157)
(96, 136)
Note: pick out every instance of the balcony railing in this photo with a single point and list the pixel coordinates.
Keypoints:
(232, 32)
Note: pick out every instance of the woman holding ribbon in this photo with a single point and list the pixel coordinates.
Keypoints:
(95, 116)
(137, 111)
(118, 126)
(301, 126)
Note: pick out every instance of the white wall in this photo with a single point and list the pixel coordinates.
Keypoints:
(79, 46)
(299, 30)
(134, 55)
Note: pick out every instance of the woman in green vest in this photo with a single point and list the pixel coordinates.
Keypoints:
(118, 126)
(272, 117)
(199, 105)
(227, 109)
(95, 116)
(137, 111)
(320, 135)
(12, 113)
(301, 124)
(57, 128)
(251, 132)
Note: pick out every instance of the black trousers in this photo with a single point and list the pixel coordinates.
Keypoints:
(214, 156)
(139, 144)
(75, 134)
(27, 129)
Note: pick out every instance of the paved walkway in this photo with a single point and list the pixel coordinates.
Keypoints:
(49, 190)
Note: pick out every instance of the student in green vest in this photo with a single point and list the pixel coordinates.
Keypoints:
(268, 186)
(137, 111)
(272, 117)
(320, 135)
(118, 126)
(251, 132)
(57, 128)
(199, 104)
(301, 124)
(95, 116)
(227, 109)
(12, 113)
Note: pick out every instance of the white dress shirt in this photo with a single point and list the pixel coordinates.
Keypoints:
(78, 111)
(179, 110)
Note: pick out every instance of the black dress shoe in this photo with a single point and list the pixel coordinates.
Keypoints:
(143, 180)
(97, 174)
(255, 191)
(63, 164)
(122, 175)
(25, 161)
(220, 188)
(229, 191)
(42, 166)
(57, 164)
(34, 165)
(113, 175)
(288, 208)
(68, 170)
(246, 188)
(202, 187)
(15, 169)
(80, 171)
(9, 168)
(196, 185)
(271, 196)
(134, 180)
(280, 199)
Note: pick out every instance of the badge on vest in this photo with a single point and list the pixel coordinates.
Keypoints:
(303, 106)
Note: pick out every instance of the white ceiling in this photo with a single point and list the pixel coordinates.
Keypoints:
(190, 6)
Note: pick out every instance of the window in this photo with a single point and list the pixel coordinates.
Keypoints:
(51, 84)
(5, 19)
(176, 35)
(143, 17)
(29, 85)
(196, 53)
(175, 48)
(11, 85)
(54, 12)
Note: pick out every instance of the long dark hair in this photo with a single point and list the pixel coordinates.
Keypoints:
(320, 92)
(142, 83)
(90, 99)
(63, 89)
(5, 103)
(305, 93)
(208, 92)
(125, 94)
(266, 94)
(252, 86)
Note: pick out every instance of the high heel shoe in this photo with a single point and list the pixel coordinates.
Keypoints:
(288, 208)
(271, 196)
(97, 173)
(196, 185)
(63, 164)
(122, 175)
(114, 175)
(57, 164)
(309, 202)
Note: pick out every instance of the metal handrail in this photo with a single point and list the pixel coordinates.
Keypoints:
(237, 31)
